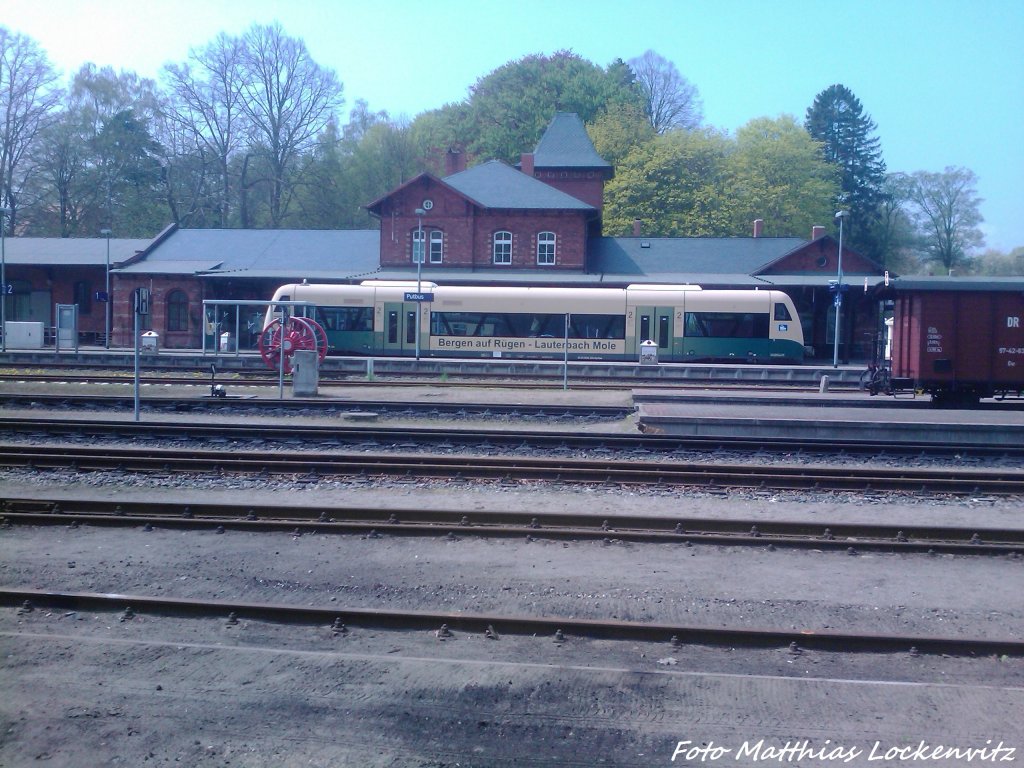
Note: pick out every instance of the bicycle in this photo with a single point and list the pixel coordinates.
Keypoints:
(877, 378)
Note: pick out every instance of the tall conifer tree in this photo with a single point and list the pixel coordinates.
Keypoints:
(837, 120)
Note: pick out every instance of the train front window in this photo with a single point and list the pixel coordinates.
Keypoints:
(782, 312)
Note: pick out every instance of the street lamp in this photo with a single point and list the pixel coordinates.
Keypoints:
(106, 305)
(3, 277)
(839, 288)
(419, 252)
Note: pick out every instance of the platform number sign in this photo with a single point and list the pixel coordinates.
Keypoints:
(140, 301)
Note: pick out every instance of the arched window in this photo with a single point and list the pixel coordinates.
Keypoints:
(418, 236)
(436, 246)
(546, 248)
(177, 310)
(503, 247)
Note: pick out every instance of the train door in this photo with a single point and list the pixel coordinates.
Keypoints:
(399, 328)
(656, 324)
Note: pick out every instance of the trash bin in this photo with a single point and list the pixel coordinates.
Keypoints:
(648, 353)
(150, 342)
(225, 342)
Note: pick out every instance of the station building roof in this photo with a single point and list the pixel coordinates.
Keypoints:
(566, 144)
(957, 283)
(353, 255)
(70, 251)
(667, 255)
(261, 253)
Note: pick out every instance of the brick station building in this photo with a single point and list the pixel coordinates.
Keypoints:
(539, 223)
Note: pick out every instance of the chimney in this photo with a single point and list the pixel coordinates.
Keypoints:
(454, 161)
(526, 163)
(758, 226)
(817, 231)
(637, 228)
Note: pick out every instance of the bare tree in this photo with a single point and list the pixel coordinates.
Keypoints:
(948, 215)
(206, 105)
(289, 99)
(28, 97)
(672, 100)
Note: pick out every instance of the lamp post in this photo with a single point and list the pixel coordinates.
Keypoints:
(106, 305)
(419, 251)
(3, 277)
(839, 288)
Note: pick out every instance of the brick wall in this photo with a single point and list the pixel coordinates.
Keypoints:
(468, 231)
(160, 286)
(584, 185)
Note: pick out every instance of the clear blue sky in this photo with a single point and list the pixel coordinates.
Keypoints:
(943, 79)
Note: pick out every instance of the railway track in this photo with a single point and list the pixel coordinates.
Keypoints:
(313, 466)
(367, 437)
(364, 521)
(351, 377)
(320, 406)
(559, 628)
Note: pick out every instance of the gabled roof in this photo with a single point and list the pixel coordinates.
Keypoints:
(69, 251)
(954, 283)
(285, 253)
(690, 255)
(496, 185)
(565, 144)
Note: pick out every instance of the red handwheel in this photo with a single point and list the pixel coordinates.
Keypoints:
(298, 333)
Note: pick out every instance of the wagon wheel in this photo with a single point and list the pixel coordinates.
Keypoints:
(298, 333)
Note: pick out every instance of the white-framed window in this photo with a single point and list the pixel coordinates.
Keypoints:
(418, 238)
(436, 246)
(546, 248)
(503, 247)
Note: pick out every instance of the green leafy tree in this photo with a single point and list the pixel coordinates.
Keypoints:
(1001, 264)
(508, 109)
(837, 120)
(673, 184)
(131, 160)
(896, 239)
(777, 173)
(947, 212)
(618, 131)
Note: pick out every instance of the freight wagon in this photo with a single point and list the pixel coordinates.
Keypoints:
(959, 339)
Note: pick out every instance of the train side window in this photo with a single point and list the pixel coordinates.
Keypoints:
(645, 327)
(410, 327)
(392, 327)
(782, 312)
(663, 331)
